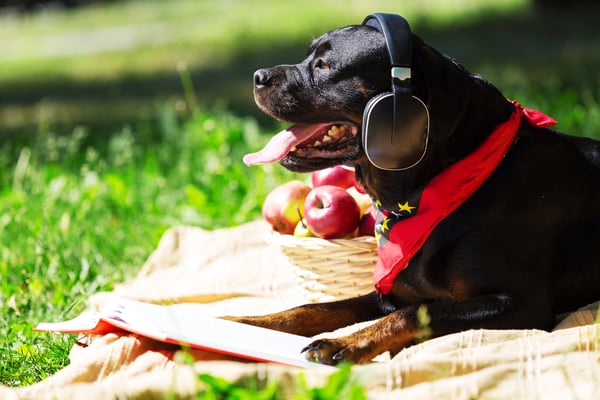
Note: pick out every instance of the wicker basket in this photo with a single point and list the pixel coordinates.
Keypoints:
(330, 269)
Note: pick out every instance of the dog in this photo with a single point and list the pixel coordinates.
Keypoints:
(522, 248)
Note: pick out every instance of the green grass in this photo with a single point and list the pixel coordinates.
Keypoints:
(341, 384)
(75, 219)
(101, 153)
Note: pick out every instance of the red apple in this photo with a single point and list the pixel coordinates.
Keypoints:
(331, 212)
(336, 176)
(366, 226)
(284, 206)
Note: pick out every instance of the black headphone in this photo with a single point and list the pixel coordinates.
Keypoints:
(395, 127)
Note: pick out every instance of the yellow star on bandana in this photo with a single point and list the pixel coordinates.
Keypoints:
(385, 225)
(405, 207)
(378, 238)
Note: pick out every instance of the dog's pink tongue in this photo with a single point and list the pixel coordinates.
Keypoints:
(278, 146)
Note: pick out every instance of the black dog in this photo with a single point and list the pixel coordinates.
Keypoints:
(522, 248)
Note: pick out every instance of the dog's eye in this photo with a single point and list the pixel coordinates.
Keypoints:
(320, 64)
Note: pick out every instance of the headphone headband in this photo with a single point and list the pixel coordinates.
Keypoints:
(390, 25)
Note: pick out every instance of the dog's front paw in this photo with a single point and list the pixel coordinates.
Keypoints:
(335, 351)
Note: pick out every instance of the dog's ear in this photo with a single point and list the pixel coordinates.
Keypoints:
(443, 85)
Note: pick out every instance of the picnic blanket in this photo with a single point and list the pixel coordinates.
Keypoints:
(234, 271)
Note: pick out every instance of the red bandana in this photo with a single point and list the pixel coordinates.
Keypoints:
(400, 238)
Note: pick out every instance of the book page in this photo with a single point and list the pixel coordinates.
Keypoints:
(180, 326)
(86, 322)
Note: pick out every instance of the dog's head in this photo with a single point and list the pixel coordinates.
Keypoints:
(324, 97)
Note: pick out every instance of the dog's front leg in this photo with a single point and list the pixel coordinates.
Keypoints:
(400, 328)
(312, 319)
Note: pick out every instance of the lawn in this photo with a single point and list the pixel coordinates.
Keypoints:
(118, 121)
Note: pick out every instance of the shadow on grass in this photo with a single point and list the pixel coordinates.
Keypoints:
(546, 51)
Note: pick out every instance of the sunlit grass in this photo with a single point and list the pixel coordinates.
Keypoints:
(75, 219)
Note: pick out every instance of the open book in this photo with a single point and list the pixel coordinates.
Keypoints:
(172, 325)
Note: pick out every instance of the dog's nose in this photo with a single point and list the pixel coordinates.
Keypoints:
(262, 77)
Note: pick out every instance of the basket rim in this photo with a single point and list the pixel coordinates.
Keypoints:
(294, 241)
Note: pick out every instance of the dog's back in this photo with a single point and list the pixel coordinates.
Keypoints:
(576, 252)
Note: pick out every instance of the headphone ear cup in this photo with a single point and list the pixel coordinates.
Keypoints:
(396, 147)
(376, 118)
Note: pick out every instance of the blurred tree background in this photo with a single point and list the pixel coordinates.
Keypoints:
(103, 64)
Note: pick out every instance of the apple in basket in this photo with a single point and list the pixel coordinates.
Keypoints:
(330, 211)
(366, 226)
(302, 230)
(337, 176)
(284, 206)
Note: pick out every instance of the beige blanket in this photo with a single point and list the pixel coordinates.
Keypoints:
(234, 271)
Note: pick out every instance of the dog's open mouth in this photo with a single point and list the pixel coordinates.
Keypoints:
(329, 141)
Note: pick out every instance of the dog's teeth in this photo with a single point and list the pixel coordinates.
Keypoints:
(327, 139)
(318, 143)
(334, 131)
(293, 149)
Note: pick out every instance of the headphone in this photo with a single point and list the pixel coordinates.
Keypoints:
(395, 128)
